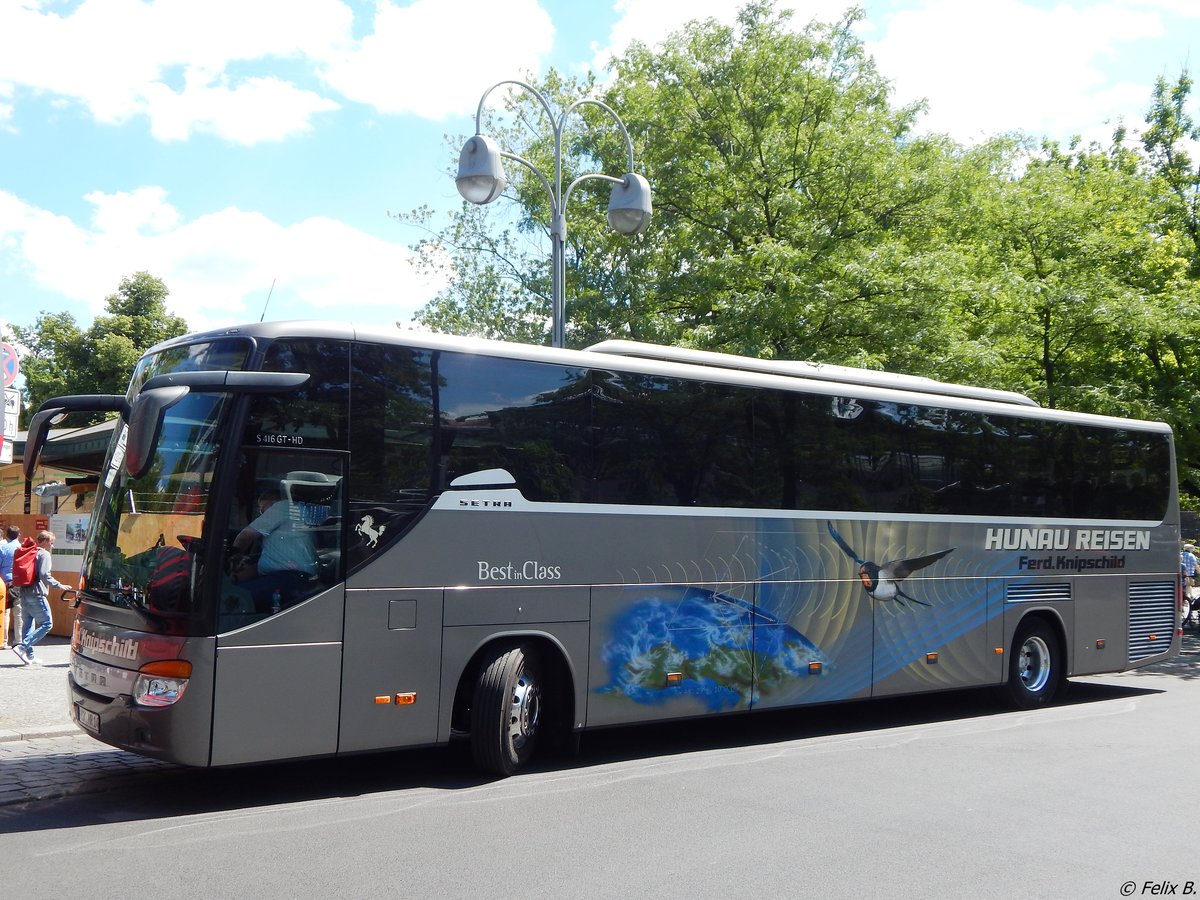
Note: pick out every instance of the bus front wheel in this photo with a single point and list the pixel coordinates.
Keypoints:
(506, 710)
(1034, 666)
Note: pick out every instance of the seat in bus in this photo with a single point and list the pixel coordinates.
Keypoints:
(316, 495)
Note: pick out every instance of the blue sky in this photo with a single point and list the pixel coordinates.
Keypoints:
(225, 145)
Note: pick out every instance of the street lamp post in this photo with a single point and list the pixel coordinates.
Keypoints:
(481, 180)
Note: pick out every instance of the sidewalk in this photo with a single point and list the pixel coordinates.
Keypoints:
(43, 754)
(33, 699)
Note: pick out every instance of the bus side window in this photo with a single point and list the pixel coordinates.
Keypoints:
(530, 418)
(391, 433)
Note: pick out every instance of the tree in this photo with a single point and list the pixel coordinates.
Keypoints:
(495, 290)
(787, 183)
(1169, 130)
(1065, 274)
(790, 199)
(1174, 369)
(62, 359)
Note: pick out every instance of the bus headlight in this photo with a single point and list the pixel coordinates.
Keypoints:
(161, 683)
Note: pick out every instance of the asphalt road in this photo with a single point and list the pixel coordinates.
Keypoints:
(941, 796)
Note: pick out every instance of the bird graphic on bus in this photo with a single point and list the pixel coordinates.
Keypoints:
(882, 582)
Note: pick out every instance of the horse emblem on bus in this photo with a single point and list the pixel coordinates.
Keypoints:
(366, 527)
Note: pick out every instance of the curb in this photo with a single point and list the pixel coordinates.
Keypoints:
(7, 736)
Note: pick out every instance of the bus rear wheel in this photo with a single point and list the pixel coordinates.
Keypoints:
(506, 710)
(1034, 666)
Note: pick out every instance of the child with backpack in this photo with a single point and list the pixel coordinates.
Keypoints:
(35, 596)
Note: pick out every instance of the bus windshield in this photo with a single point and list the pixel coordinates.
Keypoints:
(144, 548)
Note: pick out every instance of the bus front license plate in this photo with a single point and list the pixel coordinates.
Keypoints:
(87, 718)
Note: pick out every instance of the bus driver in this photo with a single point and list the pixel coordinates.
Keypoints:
(285, 551)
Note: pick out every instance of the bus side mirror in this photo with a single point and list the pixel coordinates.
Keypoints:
(35, 437)
(145, 426)
(52, 411)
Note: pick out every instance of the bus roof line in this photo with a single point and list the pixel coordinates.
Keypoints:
(920, 394)
(800, 369)
(633, 350)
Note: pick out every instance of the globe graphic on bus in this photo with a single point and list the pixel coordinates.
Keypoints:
(709, 642)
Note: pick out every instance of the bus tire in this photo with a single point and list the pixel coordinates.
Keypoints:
(506, 710)
(1034, 666)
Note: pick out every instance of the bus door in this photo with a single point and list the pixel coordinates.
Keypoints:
(951, 643)
(280, 609)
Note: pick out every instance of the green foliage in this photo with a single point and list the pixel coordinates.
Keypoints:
(495, 291)
(63, 359)
(784, 183)
(1170, 129)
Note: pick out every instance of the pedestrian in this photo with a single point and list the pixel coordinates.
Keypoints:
(8, 548)
(35, 601)
(1188, 564)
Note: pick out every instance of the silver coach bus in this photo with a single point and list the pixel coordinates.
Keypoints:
(310, 539)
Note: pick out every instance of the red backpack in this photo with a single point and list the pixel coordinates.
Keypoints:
(25, 563)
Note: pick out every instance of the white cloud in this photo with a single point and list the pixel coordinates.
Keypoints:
(1187, 8)
(218, 66)
(433, 58)
(142, 211)
(235, 114)
(218, 267)
(118, 59)
(1007, 65)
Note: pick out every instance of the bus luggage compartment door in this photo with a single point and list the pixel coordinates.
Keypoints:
(391, 667)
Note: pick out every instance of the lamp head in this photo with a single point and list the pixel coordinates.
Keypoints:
(480, 170)
(629, 205)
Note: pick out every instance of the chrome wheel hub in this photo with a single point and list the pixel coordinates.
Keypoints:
(524, 710)
(1034, 664)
